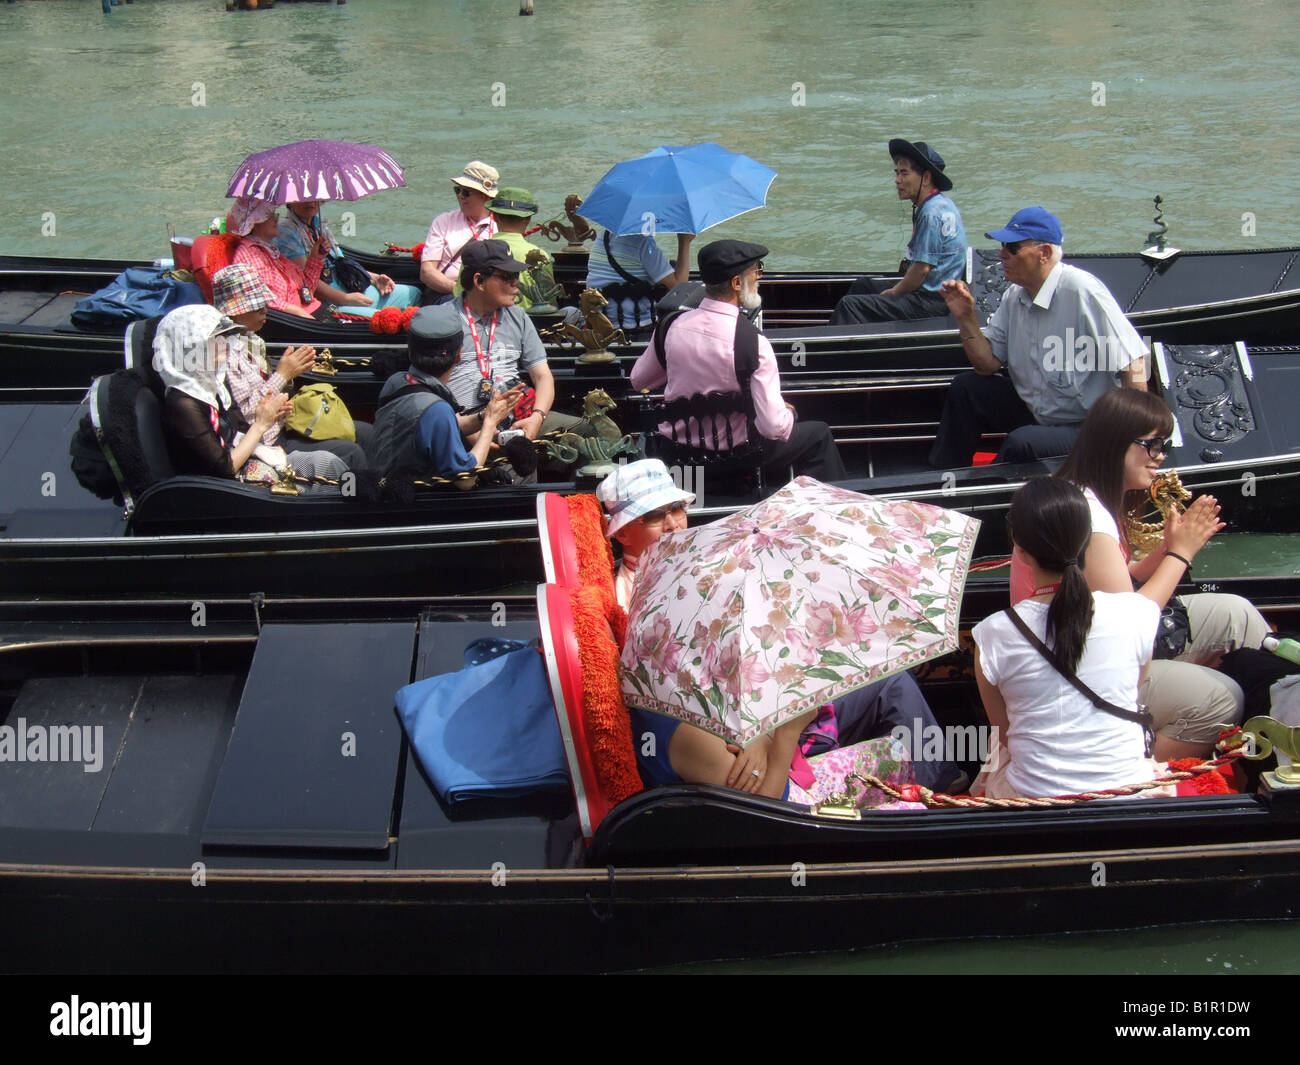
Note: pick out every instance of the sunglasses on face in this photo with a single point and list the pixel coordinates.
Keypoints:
(1155, 446)
(1014, 247)
(501, 275)
(462, 192)
(658, 517)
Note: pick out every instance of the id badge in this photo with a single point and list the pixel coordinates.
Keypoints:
(484, 391)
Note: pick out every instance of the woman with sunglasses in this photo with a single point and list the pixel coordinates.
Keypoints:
(1120, 448)
(453, 231)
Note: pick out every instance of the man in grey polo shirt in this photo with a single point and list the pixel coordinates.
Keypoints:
(501, 344)
(1061, 337)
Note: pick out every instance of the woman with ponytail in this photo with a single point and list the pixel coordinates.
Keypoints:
(1054, 740)
(1117, 455)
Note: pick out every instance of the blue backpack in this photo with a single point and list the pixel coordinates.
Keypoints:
(137, 292)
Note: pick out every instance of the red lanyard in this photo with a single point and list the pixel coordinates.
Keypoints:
(484, 361)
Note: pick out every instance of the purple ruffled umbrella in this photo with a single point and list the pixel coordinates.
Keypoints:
(315, 170)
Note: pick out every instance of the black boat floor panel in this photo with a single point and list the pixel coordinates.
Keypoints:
(537, 832)
(57, 312)
(54, 718)
(172, 753)
(37, 475)
(313, 759)
(12, 419)
(17, 304)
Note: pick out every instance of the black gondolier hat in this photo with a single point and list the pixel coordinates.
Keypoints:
(925, 157)
(724, 259)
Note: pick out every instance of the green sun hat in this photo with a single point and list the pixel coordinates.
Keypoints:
(517, 203)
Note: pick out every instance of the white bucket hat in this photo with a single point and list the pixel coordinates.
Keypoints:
(634, 490)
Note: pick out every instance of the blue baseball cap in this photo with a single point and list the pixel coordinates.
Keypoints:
(1030, 223)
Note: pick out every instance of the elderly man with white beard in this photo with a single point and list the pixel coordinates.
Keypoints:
(715, 348)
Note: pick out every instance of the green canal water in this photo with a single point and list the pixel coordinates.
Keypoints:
(114, 126)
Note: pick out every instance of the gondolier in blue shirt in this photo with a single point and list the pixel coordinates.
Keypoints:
(1059, 334)
(935, 254)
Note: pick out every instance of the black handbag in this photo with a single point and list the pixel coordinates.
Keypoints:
(350, 275)
(1174, 631)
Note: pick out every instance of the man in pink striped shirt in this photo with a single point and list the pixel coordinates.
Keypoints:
(451, 231)
(705, 350)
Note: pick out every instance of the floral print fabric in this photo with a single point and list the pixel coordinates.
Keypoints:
(743, 624)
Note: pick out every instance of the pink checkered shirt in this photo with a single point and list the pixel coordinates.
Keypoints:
(283, 276)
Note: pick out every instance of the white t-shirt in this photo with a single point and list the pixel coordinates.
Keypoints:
(1059, 742)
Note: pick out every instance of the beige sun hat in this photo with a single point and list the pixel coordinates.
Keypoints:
(480, 177)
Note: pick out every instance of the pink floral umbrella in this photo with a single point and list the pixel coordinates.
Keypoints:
(743, 624)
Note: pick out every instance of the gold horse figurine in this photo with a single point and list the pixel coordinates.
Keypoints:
(575, 231)
(600, 449)
(599, 332)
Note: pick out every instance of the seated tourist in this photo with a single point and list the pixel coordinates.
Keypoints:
(643, 504)
(303, 232)
(416, 426)
(633, 266)
(206, 433)
(512, 210)
(240, 295)
(714, 348)
(1123, 441)
(1057, 742)
(292, 286)
(451, 232)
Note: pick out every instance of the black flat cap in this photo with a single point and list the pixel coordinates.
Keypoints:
(480, 256)
(724, 259)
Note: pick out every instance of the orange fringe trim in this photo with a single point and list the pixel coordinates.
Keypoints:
(596, 620)
(595, 557)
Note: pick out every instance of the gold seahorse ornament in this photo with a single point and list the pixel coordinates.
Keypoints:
(1167, 494)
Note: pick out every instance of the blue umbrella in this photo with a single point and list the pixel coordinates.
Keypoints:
(677, 189)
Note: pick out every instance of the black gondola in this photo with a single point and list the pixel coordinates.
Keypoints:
(1195, 297)
(258, 809)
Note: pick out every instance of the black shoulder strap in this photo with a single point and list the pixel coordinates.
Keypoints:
(746, 351)
(1140, 717)
(618, 268)
(661, 333)
(405, 390)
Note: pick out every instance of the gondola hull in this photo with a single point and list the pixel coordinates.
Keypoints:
(193, 848)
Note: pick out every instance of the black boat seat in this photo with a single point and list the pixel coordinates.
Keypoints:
(138, 351)
(153, 440)
(706, 418)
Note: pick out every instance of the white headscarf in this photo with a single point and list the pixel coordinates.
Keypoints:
(188, 353)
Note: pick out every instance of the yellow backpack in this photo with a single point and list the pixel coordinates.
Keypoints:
(319, 414)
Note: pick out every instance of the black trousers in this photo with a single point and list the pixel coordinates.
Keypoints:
(864, 303)
(977, 404)
(810, 450)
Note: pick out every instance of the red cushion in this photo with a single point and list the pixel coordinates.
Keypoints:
(211, 254)
(581, 628)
